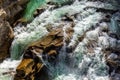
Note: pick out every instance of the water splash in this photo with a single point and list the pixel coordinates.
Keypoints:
(7, 69)
(79, 64)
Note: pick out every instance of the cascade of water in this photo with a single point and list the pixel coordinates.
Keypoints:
(7, 69)
(82, 65)
(63, 51)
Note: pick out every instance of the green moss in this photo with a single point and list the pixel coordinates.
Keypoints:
(31, 7)
(34, 4)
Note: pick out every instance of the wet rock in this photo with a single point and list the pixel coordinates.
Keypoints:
(52, 52)
(10, 9)
(44, 49)
(6, 37)
(22, 2)
(25, 71)
(3, 14)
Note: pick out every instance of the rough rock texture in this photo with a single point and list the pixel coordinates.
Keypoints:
(6, 36)
(10, 9)
(31, 65)
(9, 12)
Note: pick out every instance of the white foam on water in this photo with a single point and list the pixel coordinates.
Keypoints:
(82, 66)
(7, 69)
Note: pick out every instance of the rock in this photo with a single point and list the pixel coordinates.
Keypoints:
(6, 37)
(47, 41)
(44, 49)
(57, 42)
(52, 52)
(10, 9)
(24, 72)
(3, 14)
(22, 2)
(57, 32)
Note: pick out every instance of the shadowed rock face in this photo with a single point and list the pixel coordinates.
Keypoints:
(6, 36)
(32, 66)
(10, 9)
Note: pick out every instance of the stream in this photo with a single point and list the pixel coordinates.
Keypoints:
(86, 60)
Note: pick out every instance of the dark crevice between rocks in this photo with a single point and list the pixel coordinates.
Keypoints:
(46, 49)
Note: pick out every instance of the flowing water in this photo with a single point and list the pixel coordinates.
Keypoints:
(78, 65)
(7, 69)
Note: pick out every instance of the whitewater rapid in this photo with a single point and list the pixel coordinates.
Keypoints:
(82, 65)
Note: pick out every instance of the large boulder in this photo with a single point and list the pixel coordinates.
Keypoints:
(32, 66)
(10, 10)
(6, 36)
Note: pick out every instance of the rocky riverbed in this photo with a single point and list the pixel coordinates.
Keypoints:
(77, 40)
